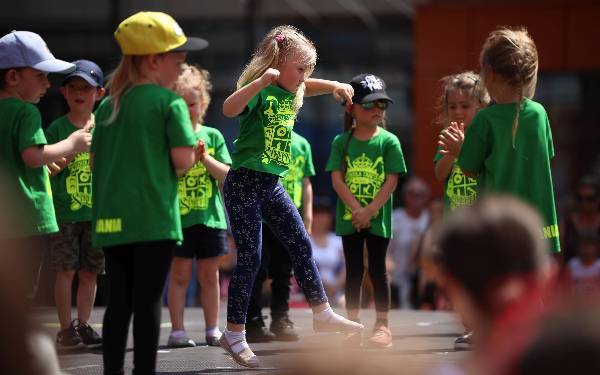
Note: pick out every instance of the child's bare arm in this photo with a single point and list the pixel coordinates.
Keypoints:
(342, 190)
(216, 169)
(443, 167)
(183, 158)
(363, 215)
(237, 102)
(340, 91)
(37, 156)
(307, 204)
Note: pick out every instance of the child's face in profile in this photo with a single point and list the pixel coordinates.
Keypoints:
(80, 95)
(461, 106)
(195, 105)
(292, 74)
(30, 84)
(169, 67)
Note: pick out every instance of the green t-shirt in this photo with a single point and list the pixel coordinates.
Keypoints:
(265, 139)
(523, 171)
(72, 187)
(301, 166)
(459, 190)
(200, 199)
(368, 163)
(21, 128)
(135, 186)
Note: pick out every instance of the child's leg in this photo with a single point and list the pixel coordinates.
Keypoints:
(285, 222)
(119, 269)
(86, 293)
(92, 265)
(353, 255)
(377, 249)
(63, 297)
(208, 275)
(180, 275)
(151, 266)
(244, 190)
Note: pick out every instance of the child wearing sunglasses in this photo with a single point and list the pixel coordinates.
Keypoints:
(365, 162)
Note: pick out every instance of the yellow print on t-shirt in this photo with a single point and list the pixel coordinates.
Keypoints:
(280, 118)
(364, 177)
(195, 188)
(461, 190)
(79, 181)
(292, 181)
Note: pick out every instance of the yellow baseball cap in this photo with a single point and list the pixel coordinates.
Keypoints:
(146, 33)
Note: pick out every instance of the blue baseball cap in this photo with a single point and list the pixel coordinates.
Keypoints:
(21, 49)
(88, 71)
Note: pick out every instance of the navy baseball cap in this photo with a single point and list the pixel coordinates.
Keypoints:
(21, 49)
(368, 88)
(88, 71)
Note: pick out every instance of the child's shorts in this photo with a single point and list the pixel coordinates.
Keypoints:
(200, 241)
(71, 249)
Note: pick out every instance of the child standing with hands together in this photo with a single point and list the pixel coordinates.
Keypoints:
(269, 96)
(509, 144)
(365, 162)
(142, 141)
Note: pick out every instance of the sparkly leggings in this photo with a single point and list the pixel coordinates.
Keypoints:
(250, 197)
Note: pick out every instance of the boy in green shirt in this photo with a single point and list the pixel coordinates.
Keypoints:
(71, 248)
(25, 62)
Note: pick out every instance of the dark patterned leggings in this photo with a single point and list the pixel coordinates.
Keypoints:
(250, 197)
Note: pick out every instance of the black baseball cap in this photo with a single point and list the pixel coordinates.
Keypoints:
(368, 88)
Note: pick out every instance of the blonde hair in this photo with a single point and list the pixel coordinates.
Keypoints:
(126, 74)
(467, 82)
(281, 44)
(198, 80)
(512, 55)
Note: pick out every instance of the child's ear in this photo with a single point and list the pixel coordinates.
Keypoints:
(100, 93)
(11, 78)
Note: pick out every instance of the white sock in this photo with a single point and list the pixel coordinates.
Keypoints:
(328, 315)
(213, 332)
(236, 337)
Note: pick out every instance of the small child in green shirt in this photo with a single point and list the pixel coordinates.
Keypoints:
(25, 62)
(71, 249)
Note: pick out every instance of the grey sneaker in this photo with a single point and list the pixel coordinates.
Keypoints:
(464, 342)
(180, 341)
(68, 338)
(91, 338)
(213, 340)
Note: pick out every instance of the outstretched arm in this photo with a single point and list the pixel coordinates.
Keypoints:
(340, 91)
(237, 102)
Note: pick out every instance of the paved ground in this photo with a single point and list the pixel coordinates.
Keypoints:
(422, 340)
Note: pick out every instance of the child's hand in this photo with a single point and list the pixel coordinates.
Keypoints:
(81, 140)
(361, 217)
(343, 93)
(451, 139)
(269, 76)
(200, 151)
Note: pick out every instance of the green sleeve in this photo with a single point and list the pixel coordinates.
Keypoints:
(334, 163)
(474, 149)
(180, 132)
(221, 152)
(251, 106)
(392, 156)
(549, 139)
(309, 168)
(52, 133)
(30, 131)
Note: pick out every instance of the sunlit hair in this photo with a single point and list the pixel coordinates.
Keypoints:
(281, 44)
(512, 55)
(468, 83)
(120, 80)
(198, 80)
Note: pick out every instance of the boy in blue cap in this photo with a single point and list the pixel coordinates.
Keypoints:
(25, 62)
(71, 248)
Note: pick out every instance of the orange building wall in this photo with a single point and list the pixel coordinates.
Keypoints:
(448, 38)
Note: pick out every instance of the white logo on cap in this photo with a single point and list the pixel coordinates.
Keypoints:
(372, 83)
(177, 29)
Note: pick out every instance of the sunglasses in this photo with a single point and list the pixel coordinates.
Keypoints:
(381, 104)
